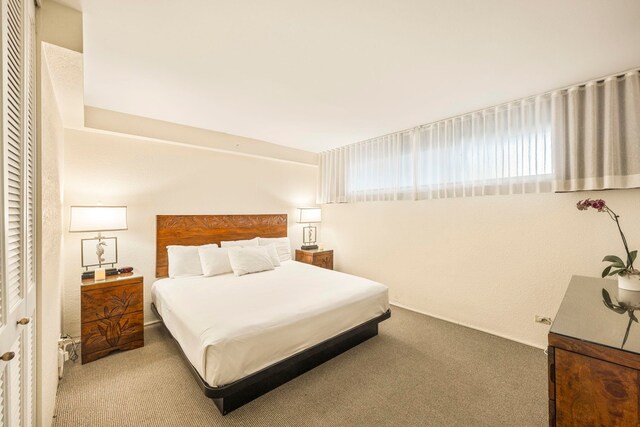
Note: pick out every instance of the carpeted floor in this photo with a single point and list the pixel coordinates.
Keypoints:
(419, 371)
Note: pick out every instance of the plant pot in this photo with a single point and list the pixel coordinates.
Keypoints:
(629, 282)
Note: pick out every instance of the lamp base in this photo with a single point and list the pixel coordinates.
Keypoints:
(308, 247)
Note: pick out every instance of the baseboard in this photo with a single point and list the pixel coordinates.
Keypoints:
(466, 325)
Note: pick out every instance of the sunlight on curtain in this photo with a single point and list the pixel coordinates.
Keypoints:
(501, 150)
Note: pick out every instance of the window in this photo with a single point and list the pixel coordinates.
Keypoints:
(505, 149)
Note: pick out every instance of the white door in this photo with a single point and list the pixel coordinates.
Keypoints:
(17, 267)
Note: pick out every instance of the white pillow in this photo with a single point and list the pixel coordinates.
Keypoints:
(243, 243)
(249, 260)
(273, 254)
(283, 246)
(214, 260)
(184, 260)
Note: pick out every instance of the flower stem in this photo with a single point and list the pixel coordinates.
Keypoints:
(615, 217)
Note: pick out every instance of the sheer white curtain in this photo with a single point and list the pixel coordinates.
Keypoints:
(378, 169)
(500, 150)
(596, 132)
(585, 137)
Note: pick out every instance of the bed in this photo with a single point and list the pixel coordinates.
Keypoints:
(244, 336)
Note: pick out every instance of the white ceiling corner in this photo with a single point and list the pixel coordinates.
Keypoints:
(316, 75)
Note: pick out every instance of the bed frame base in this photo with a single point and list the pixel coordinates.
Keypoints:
(232, 396)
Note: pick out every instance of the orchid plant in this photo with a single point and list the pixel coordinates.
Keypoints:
(618, 266)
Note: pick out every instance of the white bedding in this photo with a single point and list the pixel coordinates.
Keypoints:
(230, 327)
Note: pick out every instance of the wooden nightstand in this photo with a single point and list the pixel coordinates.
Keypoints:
(112, 315)
(316, 257)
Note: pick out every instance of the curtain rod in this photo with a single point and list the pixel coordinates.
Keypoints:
(617, 75)
(584, 84)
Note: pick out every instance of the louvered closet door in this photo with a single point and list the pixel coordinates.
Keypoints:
(17, 266)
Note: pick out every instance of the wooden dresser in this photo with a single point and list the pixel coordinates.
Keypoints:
(594, 356)
(112, 315)
(317, 257)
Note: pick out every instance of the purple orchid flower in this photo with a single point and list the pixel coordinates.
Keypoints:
(617, 265)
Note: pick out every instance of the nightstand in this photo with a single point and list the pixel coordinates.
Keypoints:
(316, 257)
(112, 315)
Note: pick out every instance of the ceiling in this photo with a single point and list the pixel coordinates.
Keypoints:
(320, 74)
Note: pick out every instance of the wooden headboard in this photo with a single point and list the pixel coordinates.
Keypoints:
(195, 230)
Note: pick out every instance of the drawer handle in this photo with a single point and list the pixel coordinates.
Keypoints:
(24, 321)
(8, 356)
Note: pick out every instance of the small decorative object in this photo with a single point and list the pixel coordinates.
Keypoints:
(98, 219)
(628, 276)
(309, 216)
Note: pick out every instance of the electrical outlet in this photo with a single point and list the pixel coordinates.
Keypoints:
(543, 320)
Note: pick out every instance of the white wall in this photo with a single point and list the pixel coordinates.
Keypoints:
(62, 26)
(49, 248)
(114, 121)
(491, 263)
(153, 178)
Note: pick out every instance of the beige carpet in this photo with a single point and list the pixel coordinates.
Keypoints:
(419, 371)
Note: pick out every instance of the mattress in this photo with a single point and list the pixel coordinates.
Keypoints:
(230, 327)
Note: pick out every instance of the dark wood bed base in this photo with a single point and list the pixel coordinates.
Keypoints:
(232, 396)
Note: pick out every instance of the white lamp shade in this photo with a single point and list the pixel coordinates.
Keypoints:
(98, 218)
(308, 215)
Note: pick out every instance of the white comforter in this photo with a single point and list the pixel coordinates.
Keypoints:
(230, 327)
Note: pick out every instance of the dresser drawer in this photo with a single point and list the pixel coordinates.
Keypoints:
(112, 315)
(324, 260)
(108, 302)
(305, 257)
(594, 392)
(112, 332)
(319, 258)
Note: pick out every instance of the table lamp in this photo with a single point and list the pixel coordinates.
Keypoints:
(85, 219)
(309, 216)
